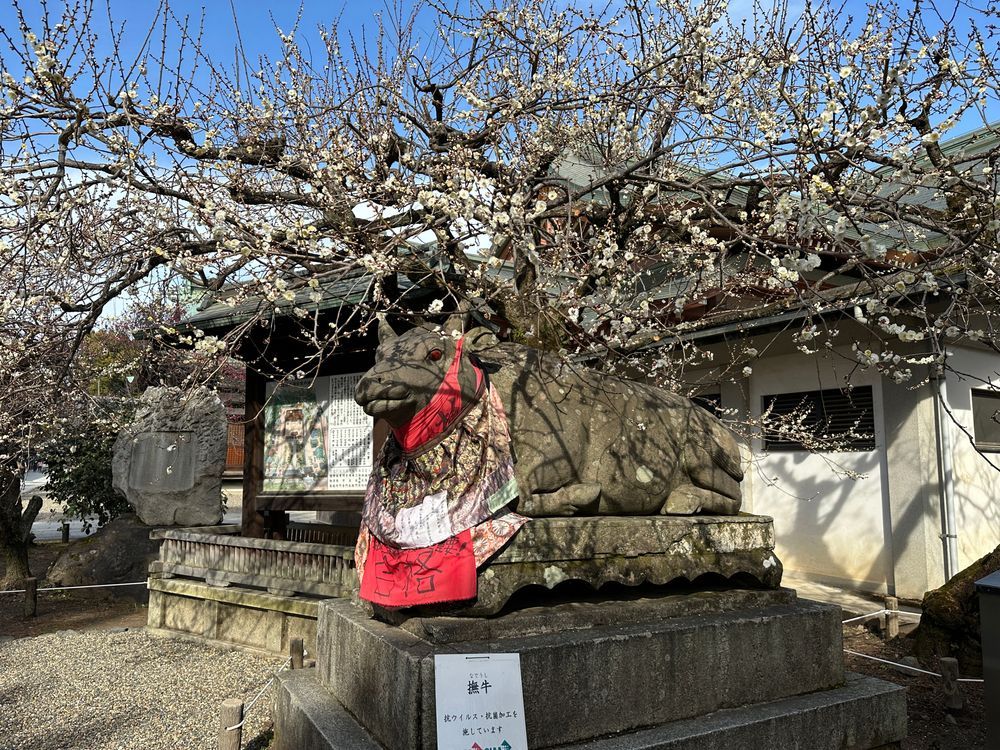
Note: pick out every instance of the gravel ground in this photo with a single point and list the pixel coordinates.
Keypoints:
(101, 690)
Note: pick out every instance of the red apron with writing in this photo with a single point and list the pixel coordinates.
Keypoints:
(444, 572)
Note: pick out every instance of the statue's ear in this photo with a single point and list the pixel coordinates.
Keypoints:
(385, 331)
(478, 339)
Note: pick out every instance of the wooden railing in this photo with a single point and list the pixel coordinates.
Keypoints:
(217, 555)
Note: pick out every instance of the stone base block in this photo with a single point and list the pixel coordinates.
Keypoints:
(588, 669)
(862, 714)
(243, 617)
(629, 550)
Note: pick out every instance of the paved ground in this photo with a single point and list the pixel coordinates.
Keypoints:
(853, 603)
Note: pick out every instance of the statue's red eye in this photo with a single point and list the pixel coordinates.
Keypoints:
(435, 354)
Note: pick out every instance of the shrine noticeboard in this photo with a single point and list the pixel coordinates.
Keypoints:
(316, 437)
(294, 439)
(350, 436)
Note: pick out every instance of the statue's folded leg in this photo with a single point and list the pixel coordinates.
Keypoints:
(572, 500)
(688, 499)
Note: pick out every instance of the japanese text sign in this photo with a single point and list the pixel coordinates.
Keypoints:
(479, 702)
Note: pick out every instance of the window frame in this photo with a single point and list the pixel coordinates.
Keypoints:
(985, 394)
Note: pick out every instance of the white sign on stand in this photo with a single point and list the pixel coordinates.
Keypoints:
(479, 702)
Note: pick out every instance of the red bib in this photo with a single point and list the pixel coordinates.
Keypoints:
(444, 572)
(442, 412)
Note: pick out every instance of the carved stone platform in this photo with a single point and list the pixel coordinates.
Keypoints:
(716, 669)
(629, 550)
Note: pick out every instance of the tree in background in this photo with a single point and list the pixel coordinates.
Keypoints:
(599, 181)
(78, 460)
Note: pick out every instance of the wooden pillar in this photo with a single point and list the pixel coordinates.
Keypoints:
(952, 697)
(891, 618)
(253, 453)
(30, 597)
(380, 431)
(231, 715)
(297, 652)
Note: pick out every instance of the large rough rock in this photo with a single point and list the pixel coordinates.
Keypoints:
(120, 552)
(168, 464)
(949, 623)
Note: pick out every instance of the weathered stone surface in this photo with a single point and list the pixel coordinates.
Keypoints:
(610, 667)
(584, 443)
(863, 714)
(629, 550)
(120, 552)
(252, 619)
(307, 718)
(168, 464)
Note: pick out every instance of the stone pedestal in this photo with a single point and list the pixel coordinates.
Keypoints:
(705, 670)
(627, 550)
(760, 667)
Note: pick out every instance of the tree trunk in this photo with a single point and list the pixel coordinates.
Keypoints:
(15, 530)
(949, 622)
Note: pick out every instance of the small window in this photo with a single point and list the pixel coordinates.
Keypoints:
(833, 413)
(986, 419)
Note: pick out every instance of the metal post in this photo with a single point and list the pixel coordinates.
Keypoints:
(989, 634)
(65, 533)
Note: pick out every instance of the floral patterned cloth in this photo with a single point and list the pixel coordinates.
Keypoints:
(420, 502)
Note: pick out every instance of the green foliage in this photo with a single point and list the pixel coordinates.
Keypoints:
(79, 469)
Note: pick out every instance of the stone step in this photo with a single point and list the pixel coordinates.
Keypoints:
(862, 714)
(306, 717)
(588, 669)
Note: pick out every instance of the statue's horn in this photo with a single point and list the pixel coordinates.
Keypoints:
(385, 331)
(459, 320)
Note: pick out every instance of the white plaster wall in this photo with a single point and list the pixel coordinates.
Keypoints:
(828, 527)
(976, 483)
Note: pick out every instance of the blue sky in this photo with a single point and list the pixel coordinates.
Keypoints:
(257, 19)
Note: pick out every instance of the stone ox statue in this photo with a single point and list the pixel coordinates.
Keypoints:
(584, 443)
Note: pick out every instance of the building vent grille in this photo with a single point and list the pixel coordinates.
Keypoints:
(845, 418)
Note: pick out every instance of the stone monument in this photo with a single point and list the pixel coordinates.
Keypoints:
(168, 463)
(509, 474)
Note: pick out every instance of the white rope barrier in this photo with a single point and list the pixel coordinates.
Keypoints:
(879, 613)
(248, 706)
(865, 617)
(70, 588)
(891, 663)
(907, 666)
(896, 663)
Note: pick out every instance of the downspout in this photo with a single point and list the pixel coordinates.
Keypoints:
(946, 477)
